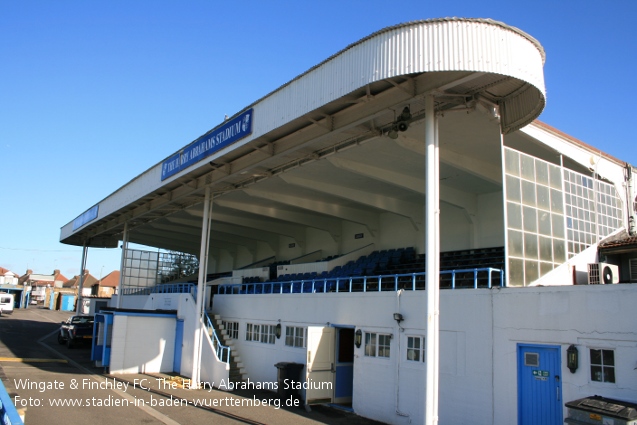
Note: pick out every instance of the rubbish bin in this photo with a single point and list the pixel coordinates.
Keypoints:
(292, 372)
(599, 410)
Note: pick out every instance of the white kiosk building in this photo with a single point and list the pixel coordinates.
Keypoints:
(326, 216)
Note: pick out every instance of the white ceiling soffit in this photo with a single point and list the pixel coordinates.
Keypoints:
(462, 61)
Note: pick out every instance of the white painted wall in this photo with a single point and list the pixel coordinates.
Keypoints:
(142, 344)
(213, 371)
(490, 219)
(480, 330)
(455, 229)
(349, 243)
(320, 240)
(596, 316)
(9, 278)
(129, 301)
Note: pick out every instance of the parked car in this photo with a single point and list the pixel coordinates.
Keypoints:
(76, 329)
(6, 303)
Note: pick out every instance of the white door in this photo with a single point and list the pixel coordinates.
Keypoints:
(320, 365)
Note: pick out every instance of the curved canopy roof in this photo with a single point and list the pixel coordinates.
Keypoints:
(350, 101)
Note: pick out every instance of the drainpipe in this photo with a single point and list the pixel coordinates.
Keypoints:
(630, 199)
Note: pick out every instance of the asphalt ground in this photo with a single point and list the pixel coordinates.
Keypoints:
(53, 384)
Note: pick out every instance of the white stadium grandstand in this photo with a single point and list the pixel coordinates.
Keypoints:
(396, 222)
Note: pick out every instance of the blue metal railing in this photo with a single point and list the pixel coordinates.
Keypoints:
(8, 413)
(477, 277)
(222, 351)
(164, 288)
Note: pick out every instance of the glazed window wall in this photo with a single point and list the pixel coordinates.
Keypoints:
(586, 221)
(145, 269)
(535, 217)
(140, 270)
(551, 215)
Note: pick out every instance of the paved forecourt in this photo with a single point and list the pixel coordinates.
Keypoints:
(58, 385)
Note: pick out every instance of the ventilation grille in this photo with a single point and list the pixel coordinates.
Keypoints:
(593, 274)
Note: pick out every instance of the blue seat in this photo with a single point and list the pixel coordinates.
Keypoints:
(319, 286)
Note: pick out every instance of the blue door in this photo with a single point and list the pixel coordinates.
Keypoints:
(539, 385)
(344, 367)
(68, 302)
(179, 339)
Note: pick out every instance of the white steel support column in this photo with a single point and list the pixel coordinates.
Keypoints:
(122, 264)
(432, 263)
(78, 309)
(201, 286)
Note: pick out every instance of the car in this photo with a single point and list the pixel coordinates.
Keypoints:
(6, 303)
(76, 329)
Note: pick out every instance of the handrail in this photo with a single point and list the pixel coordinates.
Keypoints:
(407, 281)
(221, 351)
(164, 288)
(8, 413)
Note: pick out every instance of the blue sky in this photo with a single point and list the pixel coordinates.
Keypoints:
(92, 93)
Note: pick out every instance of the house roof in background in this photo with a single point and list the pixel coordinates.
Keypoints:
(110, 280)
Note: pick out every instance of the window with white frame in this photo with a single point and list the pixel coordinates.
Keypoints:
(416, 348)
(295, 336)
(232, 329)
(260, 333)
(268, 335)
(377, 345)
(602, 365)
(252, 332)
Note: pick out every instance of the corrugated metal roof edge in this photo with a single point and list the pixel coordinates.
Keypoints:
(381, 31)
(350, 46)
(391, 28)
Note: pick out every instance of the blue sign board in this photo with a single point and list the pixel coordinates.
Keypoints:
(231, 131)
(88, 215)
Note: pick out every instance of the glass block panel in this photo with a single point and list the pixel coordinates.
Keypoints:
(557, 202)
(541, 172)
(527, 167)
(531, 272)
(514, 216)
(544, 223)
(546, 268)
(512, 162)
(516, 272)
(528, 193)
(546, 249)
(543, 201)
(516, 244)
(529, 219)
(513, 189)
(557, 225)
(530, 246)
(555, 177)
(559, 253)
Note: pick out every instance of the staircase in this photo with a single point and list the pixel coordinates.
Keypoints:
(237, 371)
